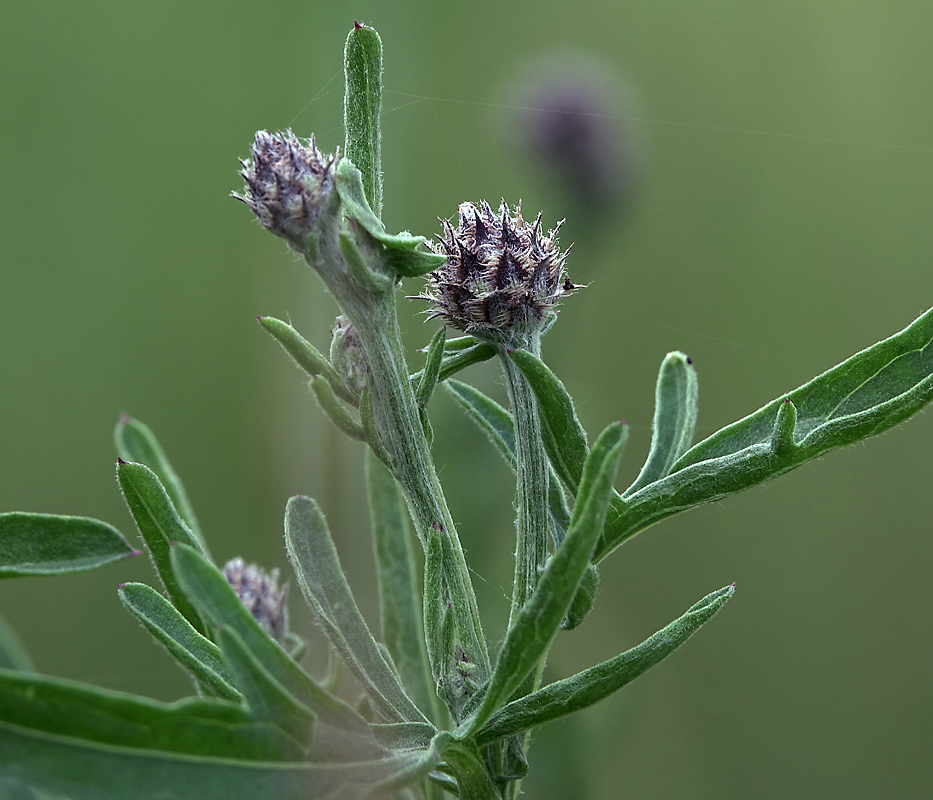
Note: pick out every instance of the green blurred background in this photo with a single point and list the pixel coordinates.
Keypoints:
(775, 218)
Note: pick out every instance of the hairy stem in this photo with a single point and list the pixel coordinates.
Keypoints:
(532, 481)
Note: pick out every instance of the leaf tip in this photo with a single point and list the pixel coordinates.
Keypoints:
(120, 462)
(134, 552)
(125, 419)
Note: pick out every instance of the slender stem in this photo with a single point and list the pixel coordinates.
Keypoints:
(399, 424)
(532, 483)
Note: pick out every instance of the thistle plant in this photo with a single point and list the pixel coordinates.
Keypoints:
(437, 710)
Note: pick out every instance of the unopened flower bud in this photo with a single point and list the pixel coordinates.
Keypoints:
(502, 276)
(259, 591)
(288, 184)
(348, 357)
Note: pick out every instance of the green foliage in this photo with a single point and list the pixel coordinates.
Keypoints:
(46, 544)
(262, 726)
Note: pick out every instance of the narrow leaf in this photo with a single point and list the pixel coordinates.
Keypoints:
(219, 603)
(359, 269)
(339, 414)
(87, 770)
(675, 416)
(160, 527)
(265, 698)
(564, 437)
(198, 655)
(305, 355)
(46, 544)
(320, 576)
(596, 683)
(539, 619)
(402, 255)
(362, 108)
(432, 367)
(192, 726)
(867, 394)
(136, 442)
(864, 395)
(399, 592)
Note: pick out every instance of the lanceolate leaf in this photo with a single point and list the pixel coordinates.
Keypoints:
(198, 655)
(539, 619)
(46, 544)
(675, 416)
(325, 587)
(564, 437)
(160, 527)
(362, 108)
(195, 727)
(596, 683)
(867, 394)
(219, 603)
(305, 355)
(136, 442)
(88, 770)
(864, 395)
(399, 592)
(432, 366)
(265, 698)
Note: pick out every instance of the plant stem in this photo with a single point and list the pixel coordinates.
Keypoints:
(399, 425)
(532, 477)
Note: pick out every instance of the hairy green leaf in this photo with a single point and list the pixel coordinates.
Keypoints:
(47, 544)
(320, 576)
(563, 435)
(219, 603)
(136, 442)
(306, 356)
(538, 620)
(338, 413)
(675, 416)
(198, 655)
(399, 593)
(432, 367)
(867, 394)
(160, 527)
(89, 770)
(193, 726)
(265, 698)
(596, 683)
(362, 108)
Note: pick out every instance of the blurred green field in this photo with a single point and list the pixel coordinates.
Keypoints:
(780, 161)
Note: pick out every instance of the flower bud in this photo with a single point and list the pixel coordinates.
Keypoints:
(288, 184)
(348, 357)
(259, 591)
(502, 276)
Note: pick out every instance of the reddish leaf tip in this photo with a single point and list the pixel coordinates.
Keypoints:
(125, 419)
(120, 461)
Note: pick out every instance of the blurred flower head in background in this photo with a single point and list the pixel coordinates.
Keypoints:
(572, 118)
